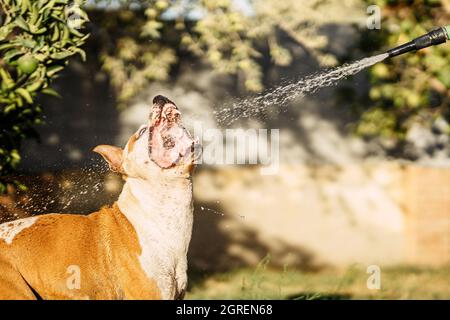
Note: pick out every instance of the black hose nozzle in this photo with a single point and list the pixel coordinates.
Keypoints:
(432, 38)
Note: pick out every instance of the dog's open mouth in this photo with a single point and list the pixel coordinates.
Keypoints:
(169, 141)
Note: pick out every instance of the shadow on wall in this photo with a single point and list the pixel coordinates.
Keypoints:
(213, 248)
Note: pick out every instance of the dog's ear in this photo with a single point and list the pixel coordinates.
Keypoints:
(113, 155)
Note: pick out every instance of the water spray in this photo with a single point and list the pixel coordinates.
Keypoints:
(432, 38)
(283, 94)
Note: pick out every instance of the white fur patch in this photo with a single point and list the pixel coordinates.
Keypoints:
(9, 230)
(162, 217)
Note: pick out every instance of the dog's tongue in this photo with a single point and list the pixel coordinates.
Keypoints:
(168, 140)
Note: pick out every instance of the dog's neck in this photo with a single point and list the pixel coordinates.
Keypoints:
(161, 212)
(165, 204)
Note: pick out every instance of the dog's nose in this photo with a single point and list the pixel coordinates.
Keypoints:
(160, 100)
(170, 111)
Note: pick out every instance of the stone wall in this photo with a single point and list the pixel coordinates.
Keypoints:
(427, 210)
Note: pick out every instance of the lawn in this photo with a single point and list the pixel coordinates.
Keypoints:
(349, 283)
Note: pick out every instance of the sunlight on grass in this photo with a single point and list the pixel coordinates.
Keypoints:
(266, 283)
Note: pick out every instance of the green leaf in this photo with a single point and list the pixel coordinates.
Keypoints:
(51, 92)
(21, 23)
(11, 54)
(7, 81)
(36, 85)
(51, 71)
(81, 52)
(25, 94)
(7, 45)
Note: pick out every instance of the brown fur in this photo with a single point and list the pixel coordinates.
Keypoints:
(131, 142)
(103, 244)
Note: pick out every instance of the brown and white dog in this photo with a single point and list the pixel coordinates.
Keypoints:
(135, 249)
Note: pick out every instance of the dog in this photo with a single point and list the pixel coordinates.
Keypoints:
(135, 249)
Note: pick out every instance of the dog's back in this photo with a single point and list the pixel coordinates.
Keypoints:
(66, 256)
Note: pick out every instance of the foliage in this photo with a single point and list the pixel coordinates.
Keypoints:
(151, 40)
(400, 282)
(411, 88)
(36, 40)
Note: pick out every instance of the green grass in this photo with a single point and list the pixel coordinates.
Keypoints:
(350, 283)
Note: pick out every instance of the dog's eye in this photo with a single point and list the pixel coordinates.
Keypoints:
(141, 132)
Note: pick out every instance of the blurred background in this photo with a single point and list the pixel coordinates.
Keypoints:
(364, 176)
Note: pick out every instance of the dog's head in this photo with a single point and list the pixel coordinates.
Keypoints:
(162, 145)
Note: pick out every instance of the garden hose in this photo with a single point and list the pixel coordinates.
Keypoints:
(432, 38)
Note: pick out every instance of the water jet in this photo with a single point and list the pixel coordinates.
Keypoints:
(284, 94)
